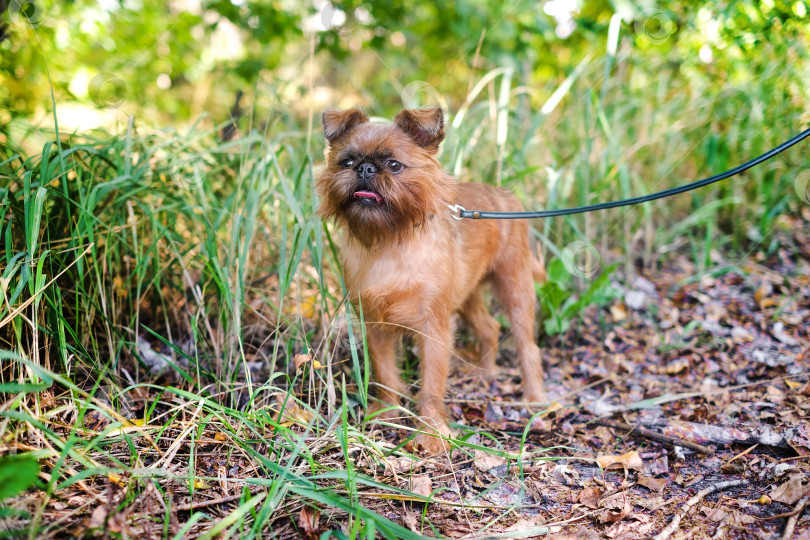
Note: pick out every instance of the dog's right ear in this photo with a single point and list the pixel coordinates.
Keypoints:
(337, 124)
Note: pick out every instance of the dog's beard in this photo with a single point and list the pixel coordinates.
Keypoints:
(382, 211)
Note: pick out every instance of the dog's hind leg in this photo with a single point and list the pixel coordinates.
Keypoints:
(486, 328)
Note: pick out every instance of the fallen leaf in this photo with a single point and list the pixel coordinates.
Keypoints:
(791, 491)
(653, 484)
(618, 312)
(741, 335)
(617, 508)
(565, 475)
(293, 414)
(99, 516)
(636, 526)
(714, 514)
(411, 520)
(741, 518)
(301, 359)
(422, 485)
(308, 519)
(630, 460)
(780, 334)
(485, 461)
(116, 479)
(676, 366)
(393, 465)
(762, 296)
(590, 497)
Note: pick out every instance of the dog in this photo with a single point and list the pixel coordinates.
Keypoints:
(410, 266)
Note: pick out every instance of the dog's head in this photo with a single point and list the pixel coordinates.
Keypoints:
(382, 181)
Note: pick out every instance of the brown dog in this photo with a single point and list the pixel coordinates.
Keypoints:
(410, 265)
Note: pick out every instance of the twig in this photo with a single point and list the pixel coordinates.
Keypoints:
(686, 508)
(649, 434)
(194, 505)
(794, 519)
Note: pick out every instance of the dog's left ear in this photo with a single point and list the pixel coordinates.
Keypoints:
(424, 126)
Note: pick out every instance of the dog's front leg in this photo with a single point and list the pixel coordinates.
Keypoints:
(436, 342)
(382, 351)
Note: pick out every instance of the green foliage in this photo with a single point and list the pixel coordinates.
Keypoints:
(17, 473)
(561, 303)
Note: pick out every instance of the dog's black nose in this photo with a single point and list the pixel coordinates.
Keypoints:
(366, 170)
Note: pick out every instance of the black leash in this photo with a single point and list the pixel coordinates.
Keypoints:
(459, 212)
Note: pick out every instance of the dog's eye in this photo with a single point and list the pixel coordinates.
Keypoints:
(393, 165)
(347, 163)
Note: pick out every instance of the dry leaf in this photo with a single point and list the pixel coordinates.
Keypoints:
(422, 485)
(630, 460)
(565, 475)
(714, 514)
(301, 359)
(617, 508)
(653, 484)
(590, 497)
(222, 474)
(676, 366)
(618, 312)
(294, 414)
(99, 516)
(393, 465)
(116, 479)
(780, 334)
(308, 519)
(636, 526)
(791, 491)
(741, 518)
(485, 461)
(411, 520)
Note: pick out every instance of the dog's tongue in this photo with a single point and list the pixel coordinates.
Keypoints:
(362, 194)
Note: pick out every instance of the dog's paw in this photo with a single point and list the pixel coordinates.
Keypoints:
(430, 444)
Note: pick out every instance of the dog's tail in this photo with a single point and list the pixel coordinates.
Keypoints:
(539, 268)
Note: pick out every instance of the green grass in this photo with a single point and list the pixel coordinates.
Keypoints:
(213, 254)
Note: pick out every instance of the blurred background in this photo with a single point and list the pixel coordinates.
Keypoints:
(171, 63)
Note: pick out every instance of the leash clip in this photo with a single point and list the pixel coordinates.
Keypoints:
(455, 211)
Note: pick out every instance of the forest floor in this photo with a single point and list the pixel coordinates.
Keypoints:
(719, 367)
(680, 410)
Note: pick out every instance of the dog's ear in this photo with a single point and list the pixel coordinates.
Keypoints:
(424, 126)
(337, 124)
